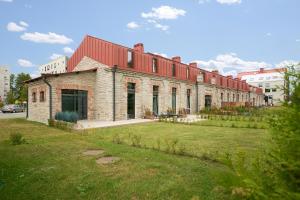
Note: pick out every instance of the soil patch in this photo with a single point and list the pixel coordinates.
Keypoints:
(93, 152)
(107, 160)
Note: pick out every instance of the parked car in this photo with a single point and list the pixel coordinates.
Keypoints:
(12, 108)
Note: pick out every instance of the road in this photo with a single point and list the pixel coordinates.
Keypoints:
(12, 115)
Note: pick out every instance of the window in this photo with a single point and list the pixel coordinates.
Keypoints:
(274, 90)
(267, 90)
(261, 78)
(188, 100)
(260, 85)
(187, 73)
(221, 97)
(174, 100)
(267, 85)
(42, 96)
(233, 98)
(154, 65)
(173, 70)
(155, 100)
(130, 59)
(251, 79)
(33, 97)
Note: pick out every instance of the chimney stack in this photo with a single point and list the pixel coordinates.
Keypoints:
(229, 76)
(139, 47)
(193, 64)
(176, 58)
(215, 71)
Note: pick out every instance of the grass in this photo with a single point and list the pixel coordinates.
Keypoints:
(51, 165)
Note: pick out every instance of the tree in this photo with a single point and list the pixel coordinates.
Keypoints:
(20, 86)
(10, 98)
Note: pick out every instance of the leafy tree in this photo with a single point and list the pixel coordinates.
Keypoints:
(10, 98)
(21, 88)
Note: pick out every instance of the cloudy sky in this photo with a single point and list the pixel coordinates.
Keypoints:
(228, 35)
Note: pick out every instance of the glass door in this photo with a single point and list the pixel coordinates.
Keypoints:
(131, 100)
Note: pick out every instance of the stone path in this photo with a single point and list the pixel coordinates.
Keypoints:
(102, 160)
(86, 124)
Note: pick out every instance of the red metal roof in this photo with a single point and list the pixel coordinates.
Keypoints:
(112, 54)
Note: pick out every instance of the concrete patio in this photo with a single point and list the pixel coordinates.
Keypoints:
(88, 124)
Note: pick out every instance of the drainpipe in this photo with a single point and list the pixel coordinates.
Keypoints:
(50, 97)
(114, 91)
(27, 104)
(197, 103)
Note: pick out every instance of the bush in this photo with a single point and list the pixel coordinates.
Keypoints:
(67, 116)
(16, 138)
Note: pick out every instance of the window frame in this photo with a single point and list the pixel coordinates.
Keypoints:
(154, 65)
(33, 97)
(130, 63)
(42, 96)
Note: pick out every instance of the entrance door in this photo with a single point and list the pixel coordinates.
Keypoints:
(74, 101)
(207, 101)
(131, 100)
(155, 100)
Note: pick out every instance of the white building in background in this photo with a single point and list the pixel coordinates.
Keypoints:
(56, 66)
(4, 82)
(271, 81)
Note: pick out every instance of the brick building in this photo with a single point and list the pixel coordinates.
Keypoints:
(106, 81)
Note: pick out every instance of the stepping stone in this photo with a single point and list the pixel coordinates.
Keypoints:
(107, 160)
(93, 152)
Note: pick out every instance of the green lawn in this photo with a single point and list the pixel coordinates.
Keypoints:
(51, 165)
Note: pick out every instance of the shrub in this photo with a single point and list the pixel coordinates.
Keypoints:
(148, 114)
(67, 116)
(136, 140)
(117, 139)
(16, 138)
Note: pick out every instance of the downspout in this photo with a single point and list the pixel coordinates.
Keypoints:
(50, 97)
(197, 98)
(27, 103)
(114, 91)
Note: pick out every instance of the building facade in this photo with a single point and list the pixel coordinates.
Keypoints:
(56, 66)
(271, 81)
(4, 83)
(106, 81)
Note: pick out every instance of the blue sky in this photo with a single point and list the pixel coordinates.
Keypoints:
(228, 35)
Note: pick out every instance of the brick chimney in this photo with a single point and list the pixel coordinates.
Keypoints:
(229, 76)
(177, 58)
(193, 64)
(139, 47)
(215, 71)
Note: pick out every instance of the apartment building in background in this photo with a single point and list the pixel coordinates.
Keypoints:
(56, 66)
(270, 80)
(4, 82)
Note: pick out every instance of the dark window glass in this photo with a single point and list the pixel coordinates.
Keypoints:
(130, 59)
(174, 100)
(221, 96)
(42, 96)
(131, 100)
(154, 65)
(267, 90)
(33, 97)
(173, 70)
(188, 100)
(75, 101)
(155, 100)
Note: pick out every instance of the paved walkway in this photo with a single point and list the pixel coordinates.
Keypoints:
(12, 115)
(86, 124)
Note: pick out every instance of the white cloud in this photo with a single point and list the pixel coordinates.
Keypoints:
(158, 25)
(286, 63)
(55, 56)
(298, 40)
(25, 63)
(230, 63)
(8, 1)
(229, 2)
(161, 54)
(13, 27)
(268, 34)
(132, 25)
(24, 24)
(68, 50)
(164, 12)
(51, 38)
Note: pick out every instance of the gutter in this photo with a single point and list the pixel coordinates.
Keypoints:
(197, 98)
(50, 97)
(114, 69)
(27, 103)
